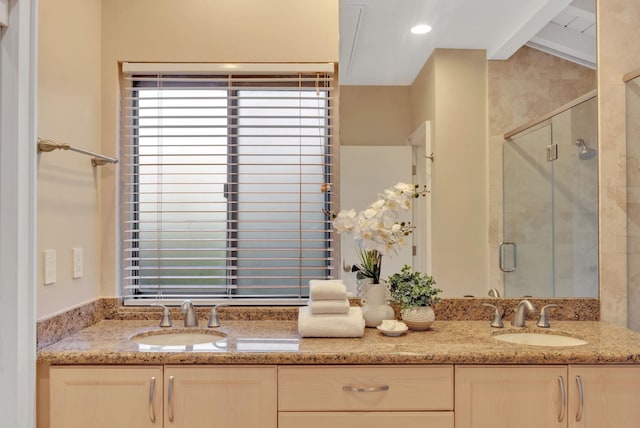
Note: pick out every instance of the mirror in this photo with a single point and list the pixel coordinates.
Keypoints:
(449, 89)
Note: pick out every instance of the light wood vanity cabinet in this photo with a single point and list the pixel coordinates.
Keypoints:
(611, 396)
(224, 397)
(365, 396)
(132, 396)
(509, 396)
(344, 396)
(105, 396)
(532, 396)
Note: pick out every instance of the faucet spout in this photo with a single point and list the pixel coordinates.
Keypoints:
(190, 318)
(519, 317)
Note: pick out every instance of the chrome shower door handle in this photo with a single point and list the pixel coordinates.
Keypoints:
(502, 246)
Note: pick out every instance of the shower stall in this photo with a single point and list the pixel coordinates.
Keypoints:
(550, 211)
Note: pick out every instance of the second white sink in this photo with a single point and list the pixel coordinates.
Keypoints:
(177, 338)
(539, 339)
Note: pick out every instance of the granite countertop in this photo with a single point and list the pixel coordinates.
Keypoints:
(277, 342)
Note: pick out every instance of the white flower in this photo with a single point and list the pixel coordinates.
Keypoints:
(405, 188)
(378, 227)
(346, 221)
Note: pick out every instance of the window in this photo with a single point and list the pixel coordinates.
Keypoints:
(225, 182)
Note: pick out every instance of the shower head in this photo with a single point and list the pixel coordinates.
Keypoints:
(585, 152)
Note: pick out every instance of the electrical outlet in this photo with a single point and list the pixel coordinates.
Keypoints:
(77, 262)
(49, 267)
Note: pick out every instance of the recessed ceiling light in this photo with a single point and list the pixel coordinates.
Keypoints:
(420, 29)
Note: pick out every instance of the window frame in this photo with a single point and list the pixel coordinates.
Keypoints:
(330, 200)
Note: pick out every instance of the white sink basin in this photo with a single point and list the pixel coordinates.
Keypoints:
(177, 337)
(539, 339)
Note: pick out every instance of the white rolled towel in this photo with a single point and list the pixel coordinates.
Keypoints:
(329, 306)
(327, 289)
(331, 325)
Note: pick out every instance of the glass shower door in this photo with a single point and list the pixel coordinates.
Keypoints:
(526, 254)
(575, 202)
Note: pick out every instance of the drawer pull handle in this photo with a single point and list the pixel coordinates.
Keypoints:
(170, 398)
(152, 409)
(350, 388)
(563, 398)
(580, 398)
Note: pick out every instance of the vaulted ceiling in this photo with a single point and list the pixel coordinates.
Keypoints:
(377, 47)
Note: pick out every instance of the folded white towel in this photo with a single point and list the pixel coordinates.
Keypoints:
(334, 325)
(327, 289)
(329, 306)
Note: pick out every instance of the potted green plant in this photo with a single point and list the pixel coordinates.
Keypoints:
(415, 293)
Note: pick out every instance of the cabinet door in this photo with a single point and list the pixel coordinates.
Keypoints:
(510, 396)
(365, 419)
(610, 396)
(221, 396)
(106, 397)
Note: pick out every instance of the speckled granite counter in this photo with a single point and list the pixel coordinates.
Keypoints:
(277, 342)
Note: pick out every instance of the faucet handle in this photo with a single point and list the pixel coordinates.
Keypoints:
(166, 315)
(497, 316)
(214, 321)
(543, 321)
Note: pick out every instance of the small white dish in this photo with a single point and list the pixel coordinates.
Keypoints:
(393, 328)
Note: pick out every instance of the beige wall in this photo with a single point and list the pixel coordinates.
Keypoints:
(199, 31)
(633, 200)
(374, 115)
(69, 112)
(618, 53)
(451, 91)
(525, 87)
(80, 45)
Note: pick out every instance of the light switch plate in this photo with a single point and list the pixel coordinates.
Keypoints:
(49, 267)
(77, 262)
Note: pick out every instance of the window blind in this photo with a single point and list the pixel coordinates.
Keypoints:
(225, 181)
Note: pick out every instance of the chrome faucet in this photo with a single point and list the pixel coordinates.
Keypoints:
(519, 317)
(190, 318)
(214, 321)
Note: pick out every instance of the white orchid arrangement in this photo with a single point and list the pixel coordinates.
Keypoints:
(378, 229)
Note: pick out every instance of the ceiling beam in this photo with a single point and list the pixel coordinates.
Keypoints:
(566, 43)
(528, 29)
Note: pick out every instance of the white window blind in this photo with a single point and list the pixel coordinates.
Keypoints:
(225, 181)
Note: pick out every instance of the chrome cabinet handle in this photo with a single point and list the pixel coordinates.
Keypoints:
(170, 398)
(563, 397)
(152, 391)
(501, 255)
(580, 399)
(350, 388)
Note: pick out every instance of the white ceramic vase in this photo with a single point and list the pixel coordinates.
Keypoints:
(419, 318)
(374, 303)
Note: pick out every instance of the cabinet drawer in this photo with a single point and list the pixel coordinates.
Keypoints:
(365, 419)
(377, 388)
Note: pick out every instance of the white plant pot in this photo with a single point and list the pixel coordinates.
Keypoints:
(374, 303)
(419, 318)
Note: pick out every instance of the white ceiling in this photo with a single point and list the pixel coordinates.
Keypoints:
(377, 48)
